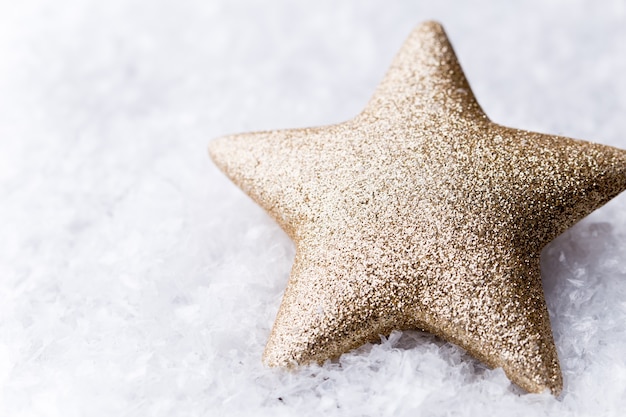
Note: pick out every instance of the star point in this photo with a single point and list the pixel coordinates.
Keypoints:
(420, 213)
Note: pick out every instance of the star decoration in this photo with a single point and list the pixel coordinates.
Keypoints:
(421, 213)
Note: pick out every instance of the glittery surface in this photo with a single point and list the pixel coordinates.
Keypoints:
(421, 213)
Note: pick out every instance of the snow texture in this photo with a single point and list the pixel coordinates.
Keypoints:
(136, 280)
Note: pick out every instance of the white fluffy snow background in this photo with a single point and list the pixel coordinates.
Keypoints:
(136, 280)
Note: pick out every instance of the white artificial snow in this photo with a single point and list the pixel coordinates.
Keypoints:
(136, 280)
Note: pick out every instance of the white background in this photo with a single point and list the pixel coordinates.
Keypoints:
(135, 280)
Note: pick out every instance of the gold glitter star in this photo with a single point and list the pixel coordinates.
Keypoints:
(421, 213)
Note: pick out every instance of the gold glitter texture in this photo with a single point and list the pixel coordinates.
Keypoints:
(421, 213)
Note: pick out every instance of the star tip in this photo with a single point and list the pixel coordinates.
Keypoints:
(554, 390)
(217, 147)
(534, 387)
(551, 383)
(428, 30)
(266, 361)
(269, 358)
(273, 359)
(431, 24)
(557, 387)
(552, 386)
(211, 149)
